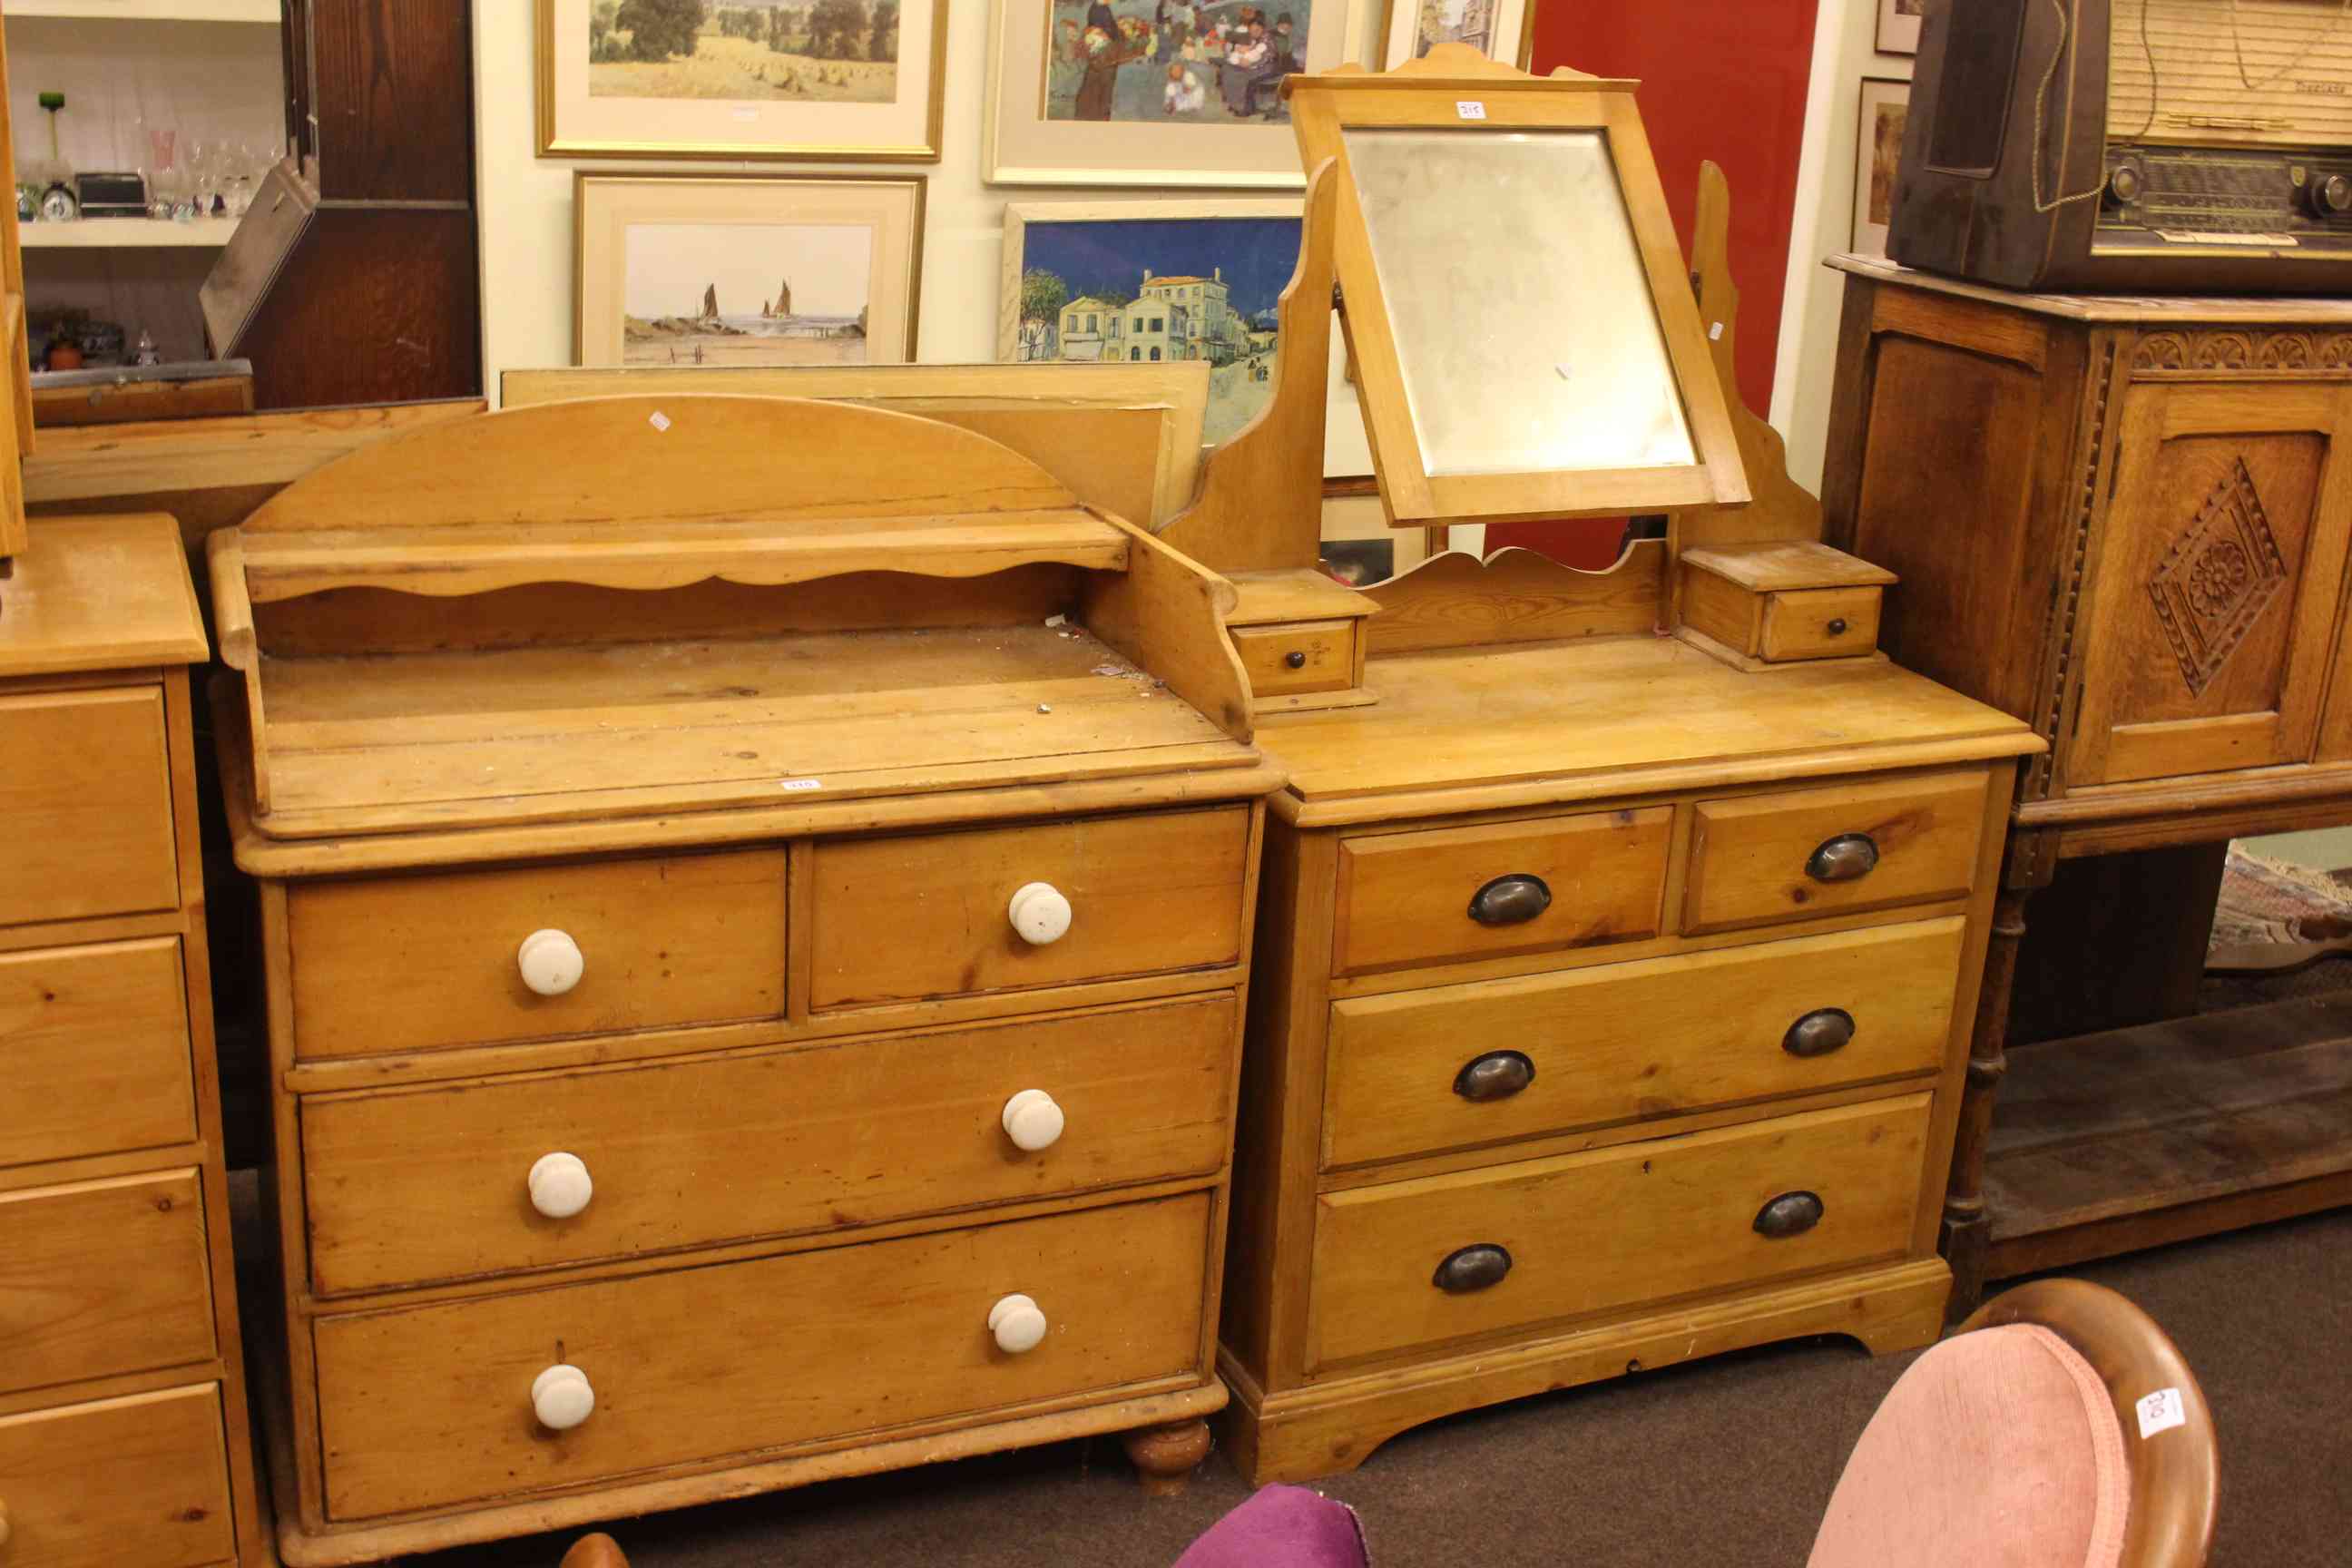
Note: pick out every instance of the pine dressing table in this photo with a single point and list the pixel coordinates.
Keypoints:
(1614, 974)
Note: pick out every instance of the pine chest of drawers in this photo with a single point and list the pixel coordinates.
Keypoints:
(770, 1007)
(1611, 1010)
(123, 1406)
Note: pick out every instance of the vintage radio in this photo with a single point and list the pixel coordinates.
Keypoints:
(2131, 144)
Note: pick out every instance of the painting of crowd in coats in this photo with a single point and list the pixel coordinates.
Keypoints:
(845, 51)
(1152, 289)
(1204, 62)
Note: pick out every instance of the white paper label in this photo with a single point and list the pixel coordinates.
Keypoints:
(659, 420)
(746, 114)
(1715, 332)
(1470, 109)
(2161, 1412)
(798, 785)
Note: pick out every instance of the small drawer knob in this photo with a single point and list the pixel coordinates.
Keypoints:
(1295, 659)
(1018, 1323)
(550, 962)
(561, 1397)
(1790, 1213)
(1473, 1268)
(1033, 1121)
(1836, 627)
(1497, 1075)
(1819, 1032)
(1510, 901)
(560, 1186)
(1848, 858)
(4, 1522)
(1039, 913)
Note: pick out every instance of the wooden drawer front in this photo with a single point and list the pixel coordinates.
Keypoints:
(1820, 623)
(433, 1404)
(102, 1277)
(138, 1482)
(1604, 1230)
(1620, 1042)
(1408, 898)
(94, 1047)
(1755, 860)
(1308, 656)
(925, 915)
(86, 790)
(433, 1185)
(401, 963)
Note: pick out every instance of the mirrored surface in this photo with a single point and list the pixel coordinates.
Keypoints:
(1522, 314)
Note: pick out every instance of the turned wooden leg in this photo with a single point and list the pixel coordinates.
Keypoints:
(1165, 1457)
(1968, 1228)
(598, 1551)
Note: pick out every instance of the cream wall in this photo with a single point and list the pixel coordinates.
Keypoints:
(1844, 54)
(526, 212)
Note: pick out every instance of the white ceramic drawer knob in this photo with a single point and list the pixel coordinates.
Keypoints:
(550, 962)
(1032, 1119)
(560, 1186)
(1039, 913)
(1018, 1324)
(561, 1397)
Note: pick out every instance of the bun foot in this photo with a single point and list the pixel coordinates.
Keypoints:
(1165, 1457)
(598, 1551)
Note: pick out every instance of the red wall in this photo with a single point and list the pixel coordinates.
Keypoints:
(1722, 79)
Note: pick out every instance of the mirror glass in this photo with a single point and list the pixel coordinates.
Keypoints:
(1522, 315)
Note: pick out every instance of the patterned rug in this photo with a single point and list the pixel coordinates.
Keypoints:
(2268, 901)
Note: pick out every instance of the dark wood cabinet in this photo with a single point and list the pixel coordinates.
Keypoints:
(2128, 523)
(357, 277)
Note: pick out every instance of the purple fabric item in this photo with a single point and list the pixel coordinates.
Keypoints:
(1282, 1526)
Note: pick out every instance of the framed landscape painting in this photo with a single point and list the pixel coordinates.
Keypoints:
(807, 80)
(1502, 30)
(1144, 282)
(746, 270)
(1152, 92)
(1878, 156)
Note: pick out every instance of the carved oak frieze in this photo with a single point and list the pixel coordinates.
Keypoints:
(2216, 578)
(2250, 349)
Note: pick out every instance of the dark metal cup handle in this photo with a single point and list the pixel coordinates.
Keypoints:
(1497, 1075)
(1510, 901)
(1473, 1268)
(1848, 858)
(1790, 1213)
(1819, 1032)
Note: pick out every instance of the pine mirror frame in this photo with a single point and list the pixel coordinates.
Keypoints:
(1428, 94)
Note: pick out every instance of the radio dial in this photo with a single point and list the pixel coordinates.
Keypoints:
(2330, 195)
(2124, 184)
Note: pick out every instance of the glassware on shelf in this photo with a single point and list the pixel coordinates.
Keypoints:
(162, 168)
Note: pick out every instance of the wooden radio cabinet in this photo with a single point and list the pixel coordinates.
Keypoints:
(757, 897)
(2128, 523)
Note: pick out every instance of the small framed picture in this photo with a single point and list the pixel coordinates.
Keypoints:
(1152, 92)
(1502, 30)
(832, 80)
(746, 270)
(1898, 25)
(1143, 282)
(1878, 154)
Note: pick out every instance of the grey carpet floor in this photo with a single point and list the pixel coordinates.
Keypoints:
(1723, 1461)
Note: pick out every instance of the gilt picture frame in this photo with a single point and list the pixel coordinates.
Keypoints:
(1502, 30)
(717, 269)
(752, 80)
(1104, 92)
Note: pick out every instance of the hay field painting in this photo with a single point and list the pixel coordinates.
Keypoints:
(843, 51)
